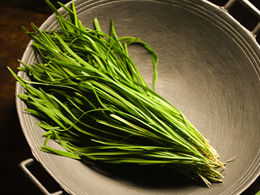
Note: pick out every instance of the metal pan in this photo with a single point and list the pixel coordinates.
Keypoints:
(209, 69)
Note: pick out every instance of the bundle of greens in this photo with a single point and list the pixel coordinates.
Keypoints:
(93, 101)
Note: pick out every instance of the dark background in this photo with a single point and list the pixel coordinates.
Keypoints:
(13, 146)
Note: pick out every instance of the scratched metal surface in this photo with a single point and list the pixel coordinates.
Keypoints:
(209, 69)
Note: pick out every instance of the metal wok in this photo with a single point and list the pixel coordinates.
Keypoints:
(208, 68)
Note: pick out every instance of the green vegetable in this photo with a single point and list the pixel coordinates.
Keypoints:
(92, 99)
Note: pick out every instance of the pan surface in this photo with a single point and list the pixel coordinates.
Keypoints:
(208, 68)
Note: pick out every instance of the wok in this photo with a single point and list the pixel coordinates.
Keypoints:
(208, 68)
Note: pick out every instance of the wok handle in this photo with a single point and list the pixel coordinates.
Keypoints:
(24, 164)
(247, 4)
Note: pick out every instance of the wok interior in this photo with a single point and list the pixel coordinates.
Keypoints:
(205, 70)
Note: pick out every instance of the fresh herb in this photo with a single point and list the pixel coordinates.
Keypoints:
(92, 99)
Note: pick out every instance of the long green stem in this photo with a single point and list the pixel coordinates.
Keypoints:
(95, 103)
